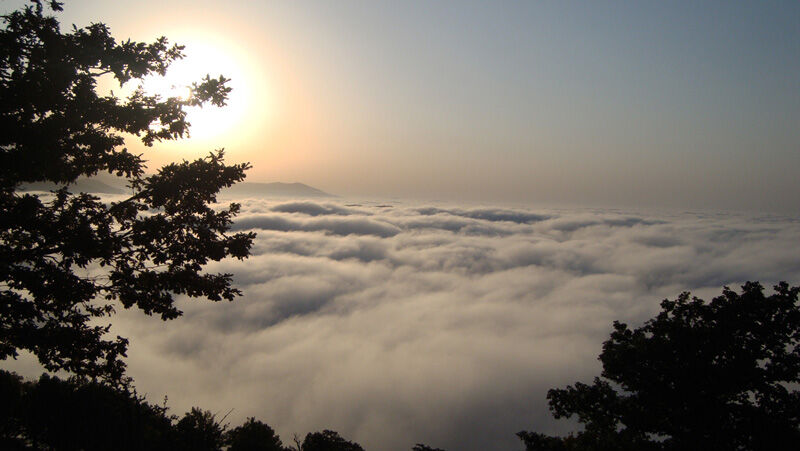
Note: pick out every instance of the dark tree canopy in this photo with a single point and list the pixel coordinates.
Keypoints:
(55, 414)
(67, 260)
(78, 414)
(253, 435)
(199, 430)
(328, 440)
(717, 375)
(424, 447)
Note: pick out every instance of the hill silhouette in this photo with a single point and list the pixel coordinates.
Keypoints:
(109, 184)
(254, 189)
(99, 184)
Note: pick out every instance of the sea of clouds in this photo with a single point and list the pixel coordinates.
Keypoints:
(398, 323)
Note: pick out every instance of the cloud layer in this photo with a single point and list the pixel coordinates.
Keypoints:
(398, 324)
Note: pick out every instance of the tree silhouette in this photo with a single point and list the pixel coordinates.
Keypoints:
(67, 260)
(79, 414)
(718, 375)
(253, 435)
(75, 414)
(328, 440)
(423, 447)
(199, 430)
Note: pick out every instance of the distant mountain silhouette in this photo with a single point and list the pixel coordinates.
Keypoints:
(101, 183)
(254, 189)
(109, 184)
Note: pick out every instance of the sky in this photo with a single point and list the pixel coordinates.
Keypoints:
(514, 176)
(636, 104)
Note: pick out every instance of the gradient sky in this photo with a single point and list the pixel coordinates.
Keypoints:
(444, 322)
(648, 104)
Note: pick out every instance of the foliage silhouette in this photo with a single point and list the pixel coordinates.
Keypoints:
(75, 414)
(253, 435)
(79, 414)
(68, 259)
(328, 440)
(423, 447)
(199, 430)
(718, 375)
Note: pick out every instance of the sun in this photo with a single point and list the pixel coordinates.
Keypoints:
(209, 124)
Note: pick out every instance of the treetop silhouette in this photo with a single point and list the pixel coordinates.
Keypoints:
(717, 375)
(254, 435)
(328, 440)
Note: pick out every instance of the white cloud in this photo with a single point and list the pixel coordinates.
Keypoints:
(444, 325)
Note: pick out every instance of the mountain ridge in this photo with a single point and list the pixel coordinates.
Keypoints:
(281, 189)
(108, 184)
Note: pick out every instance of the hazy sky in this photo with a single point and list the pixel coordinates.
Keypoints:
(682, 104)
(396, 322)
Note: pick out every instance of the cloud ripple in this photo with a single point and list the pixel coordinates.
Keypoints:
(436, 324)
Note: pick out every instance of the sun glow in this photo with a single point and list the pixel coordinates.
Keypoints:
(211, 125)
